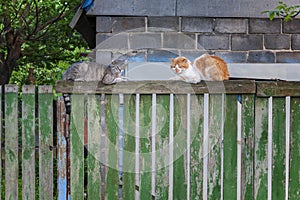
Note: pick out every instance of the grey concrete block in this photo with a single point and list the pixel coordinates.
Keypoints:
(104, 57)
(264, 26)
(246, 42)
(163, 24)
(296, 42)
(261, 57)
(145, 40)
(179, 40)
(132, 24)
(154, 7)
(192, 8)
(139, 57)
(233, 56)
(276, 41)
(193, 54)
(227, 8)
(288, 57)
(213, 42)
(161, 55)
(291, 26)
(134, 8)
(112, 41)
(104, 24)
(197, 24)
(231, 25)
(101, 37)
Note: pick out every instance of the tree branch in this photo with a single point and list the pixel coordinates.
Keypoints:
(50, 22)
(55, 19)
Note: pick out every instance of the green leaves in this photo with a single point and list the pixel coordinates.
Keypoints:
(42, 34)
(284, 11)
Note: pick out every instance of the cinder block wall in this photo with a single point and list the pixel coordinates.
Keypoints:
(236, 40)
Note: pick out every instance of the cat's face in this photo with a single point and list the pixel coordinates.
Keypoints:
(120, 64)
(179, 65)
(115, 70)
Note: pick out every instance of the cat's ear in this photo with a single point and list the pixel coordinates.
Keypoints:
(185, 60)
(172, 59)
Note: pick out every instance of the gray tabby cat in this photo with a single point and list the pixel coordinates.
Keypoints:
(92, 71)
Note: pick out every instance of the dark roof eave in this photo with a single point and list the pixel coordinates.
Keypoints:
(81, 23)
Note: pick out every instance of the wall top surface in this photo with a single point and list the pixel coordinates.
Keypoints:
(203, 8)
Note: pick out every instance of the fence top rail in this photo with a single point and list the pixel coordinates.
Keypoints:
(158, 87)
(260, 88)
(277, 88)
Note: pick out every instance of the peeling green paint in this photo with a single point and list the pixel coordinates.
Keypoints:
(294, 176)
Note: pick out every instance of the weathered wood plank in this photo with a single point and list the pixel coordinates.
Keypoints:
(278, 173)
(28, 142)
(180, 147)
(145, 146)
(61, 150)
(196, 159)
(294, 181)
(11, 142)
(112, 128)
(215, 146)
(278, 88)
(129, 148)
(248, 121)
(261, 149)
(162, 147)
(159, 87)
(94, 151)
(77, 147)
(230, 148)
(45, 142)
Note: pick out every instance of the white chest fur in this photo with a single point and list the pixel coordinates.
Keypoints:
(191, 75)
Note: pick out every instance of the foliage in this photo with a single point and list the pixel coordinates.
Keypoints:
(47, 73)
(36, 34)
(283, 10)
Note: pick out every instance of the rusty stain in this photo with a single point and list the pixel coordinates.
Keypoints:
(63, 149)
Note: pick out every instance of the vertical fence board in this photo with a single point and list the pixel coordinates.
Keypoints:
(180, 145)
(145, 146)
(278, 175)
(247, 145)
(294, 181)
(196, 168)
(11, 142)
(129, 148)
(45, 142)
(230, 148)
(112, 119)
(61, 150)
(77, 147)
(215, 142)
(94, 151)
(187, 183)
(28, 142)
(162, 147)
(260, 149)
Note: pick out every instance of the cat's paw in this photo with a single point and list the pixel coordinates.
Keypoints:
(193, 81)
(175, 78)
(120, 79)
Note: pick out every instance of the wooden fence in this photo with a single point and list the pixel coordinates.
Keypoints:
(153, 140)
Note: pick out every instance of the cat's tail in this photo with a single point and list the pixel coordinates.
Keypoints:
(67, 100)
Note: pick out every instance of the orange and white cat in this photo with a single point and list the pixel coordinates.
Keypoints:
(206, 67)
